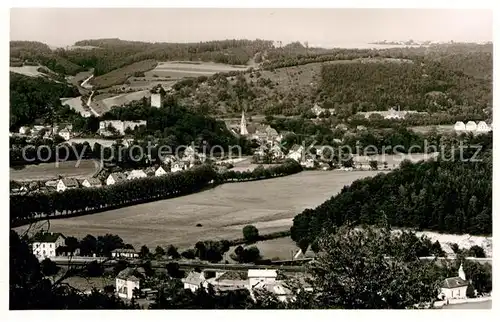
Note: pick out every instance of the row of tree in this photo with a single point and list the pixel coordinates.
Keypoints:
(31, 207)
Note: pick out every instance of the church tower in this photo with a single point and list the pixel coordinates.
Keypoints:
(243, 124)
(461, 272)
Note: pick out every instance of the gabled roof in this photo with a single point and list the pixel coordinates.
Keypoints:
(194, 278)
(131, 274)
(125, 250)
(47, 237)
(233, 275)
(454, 282)
(94, 181)
(118, 176)
(262, 273)
(70, 182)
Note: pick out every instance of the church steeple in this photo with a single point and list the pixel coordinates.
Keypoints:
(461, 272)
(243, 124)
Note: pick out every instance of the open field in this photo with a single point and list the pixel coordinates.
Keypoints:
(181, 69)
(393, 160)
(92, 141)
(31, 71)
(49, 171)
(76, 104)
(270, 205)
(123, 99)
(120, 75)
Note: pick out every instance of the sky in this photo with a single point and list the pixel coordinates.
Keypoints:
(63, 27)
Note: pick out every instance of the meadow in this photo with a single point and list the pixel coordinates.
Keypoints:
(222, 212)
(51, 171)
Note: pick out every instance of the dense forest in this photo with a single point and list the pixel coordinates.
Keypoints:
(105, 55)
(446, 196)
(429, 87)
(33, 98)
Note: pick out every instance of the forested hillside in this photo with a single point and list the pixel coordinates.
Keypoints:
(445, 196)
(33, 98)
(430, 87)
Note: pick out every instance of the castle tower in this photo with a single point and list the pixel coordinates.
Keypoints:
(243, 124)
(461, 272)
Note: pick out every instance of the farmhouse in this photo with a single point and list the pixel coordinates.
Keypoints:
(455, 287)
(92, 183)
(128, 280)
(160, 172)
(459, 126)
(120, 126)
(24, 130)
(277, 153)
(124, 253)
(65, 134)
(136, 174)
(483, 127)
(44, 245)
(391, 113)
(178, 166)
(67, 183)
(471, 126)
(115, 178)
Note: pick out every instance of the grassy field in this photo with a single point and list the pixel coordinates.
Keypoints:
(50, 171)
(123, 99)
(270, 205)
(31, 71)
(120, 75)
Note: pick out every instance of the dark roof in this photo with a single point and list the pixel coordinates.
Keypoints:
(70, 182)
(124, 250)
(233, 275)
(118, 176)
(47, 237)
(453, 282)
(94, 181)
(131, 274)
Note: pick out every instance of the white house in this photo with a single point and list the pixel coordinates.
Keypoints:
(136, 174)
(115, 178)
(92, 183)
(295, 152)
(459, 126)
(45, 245)
(120, 126)
(160, 172)
(124, 253)
(128, 280)
(317, 110)
(277, 153)
(65, 134)
(23, 130)
(177, 166)
(455, 287)
(471, 126)
(156, 100)
(256, 276)
(67, 183)
(483, 127)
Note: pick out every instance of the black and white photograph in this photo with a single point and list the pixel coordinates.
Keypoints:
(249, 158)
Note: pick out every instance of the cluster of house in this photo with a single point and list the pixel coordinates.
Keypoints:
(170, 164)
(259, 132)
(391, 113)
(46, 246)
(471, 126)
(64, 130)
(253, 280)
(119, 126)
